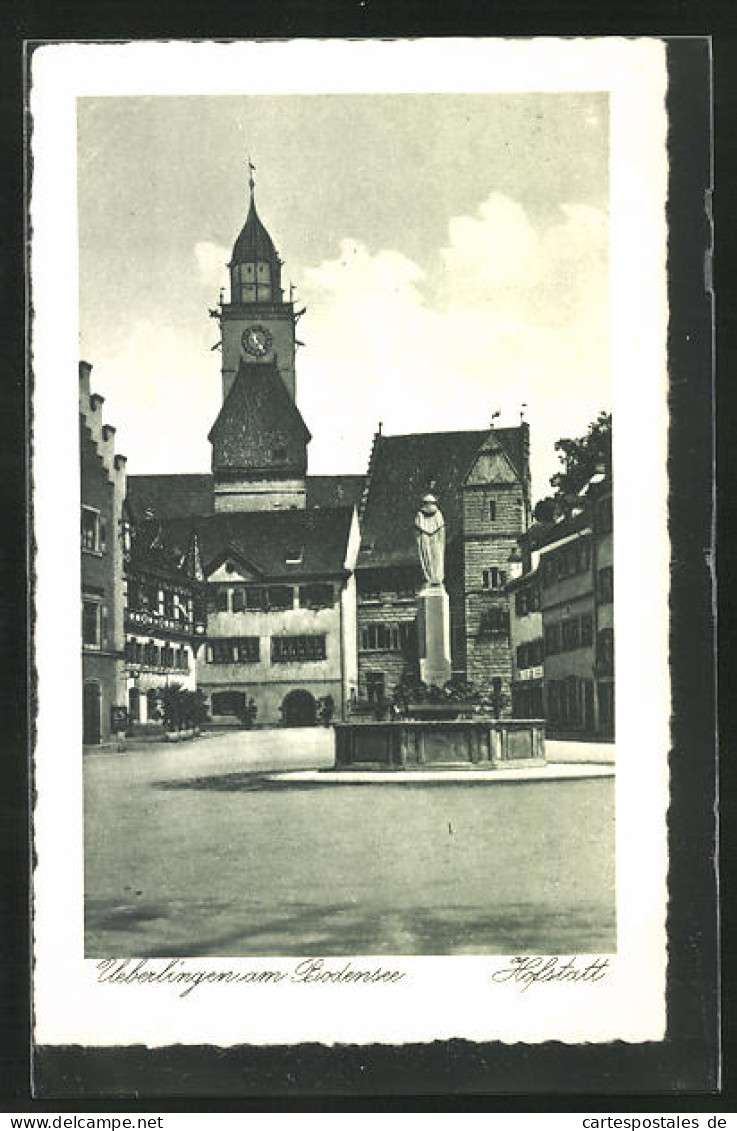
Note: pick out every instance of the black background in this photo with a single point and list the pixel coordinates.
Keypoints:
(679, 1074)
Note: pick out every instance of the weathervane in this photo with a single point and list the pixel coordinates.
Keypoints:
(251, 171)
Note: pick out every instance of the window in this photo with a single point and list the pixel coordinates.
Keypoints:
(552, 639)
(94, 531)
(387, 637)
(280, 597)
(150, 655)
(570, 634)
(90, 522)
(376, 687)
(182, 663)
(530, 654)
(247, 649)
(167, 656)
(527, 600)
(297, 649)
(605, 651)
(222, 600)
(316, 596)
(280, 453)
(549, 570)
(492, 510)
(239, 599)
(493, 578)
(91, 624)
(220, 652)
(606, 584)
(294, 555)
(494, 620)
(169, 604)
(235, 650)
(260, 598)
(587, 630)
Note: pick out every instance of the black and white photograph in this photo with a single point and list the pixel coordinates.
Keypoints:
(352, 436)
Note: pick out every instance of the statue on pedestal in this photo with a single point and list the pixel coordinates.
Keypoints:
(430, 537)
(433, 612)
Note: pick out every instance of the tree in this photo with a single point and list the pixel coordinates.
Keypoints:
(580, 457)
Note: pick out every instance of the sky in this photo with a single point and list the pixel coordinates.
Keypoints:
(452, 252)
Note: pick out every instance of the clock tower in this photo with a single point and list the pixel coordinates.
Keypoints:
(257, 325)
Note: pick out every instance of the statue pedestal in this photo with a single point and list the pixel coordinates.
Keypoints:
(433, 635)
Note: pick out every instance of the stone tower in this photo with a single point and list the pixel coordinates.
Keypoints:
(259, 439)
(257, 325)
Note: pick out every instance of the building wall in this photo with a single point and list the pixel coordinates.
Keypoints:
(102, 489)
(266, 682)
(488, 544)
(238, 495)
(388, 609)
(527, 680)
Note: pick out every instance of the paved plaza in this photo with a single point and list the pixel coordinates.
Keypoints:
(207, 848)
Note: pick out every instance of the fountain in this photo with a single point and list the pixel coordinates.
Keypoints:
(441, 731)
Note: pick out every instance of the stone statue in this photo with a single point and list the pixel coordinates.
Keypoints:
(430, 536)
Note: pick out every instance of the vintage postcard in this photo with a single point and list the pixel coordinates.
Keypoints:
(349, 444)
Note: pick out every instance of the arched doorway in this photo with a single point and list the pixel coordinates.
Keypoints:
(299, 709)
(91, 714)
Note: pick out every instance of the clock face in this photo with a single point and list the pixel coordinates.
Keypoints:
(256, 340)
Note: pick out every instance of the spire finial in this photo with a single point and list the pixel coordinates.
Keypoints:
(251, 171)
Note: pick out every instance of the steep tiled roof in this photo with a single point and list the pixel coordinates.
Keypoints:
(257, 413)
(402, 468)
(334, 490)
(266, 538)
(170, 496)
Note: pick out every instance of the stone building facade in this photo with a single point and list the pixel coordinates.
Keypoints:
(102, 489)
(481, 480)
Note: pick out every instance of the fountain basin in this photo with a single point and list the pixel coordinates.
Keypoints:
(480, 742)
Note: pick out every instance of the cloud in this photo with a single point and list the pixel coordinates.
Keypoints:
(211, 260)
(513, 313)
(162, 393)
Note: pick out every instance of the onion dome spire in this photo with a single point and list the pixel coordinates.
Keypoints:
(255, 266)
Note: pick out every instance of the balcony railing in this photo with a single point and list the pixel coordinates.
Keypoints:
(145, 618)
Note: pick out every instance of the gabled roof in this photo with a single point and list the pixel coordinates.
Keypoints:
(267, 538)
(257, 403)
(334, 490)
(402, 467)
